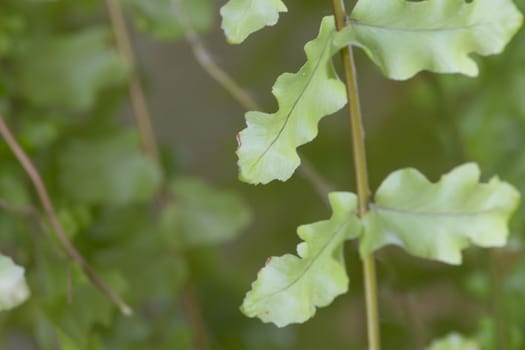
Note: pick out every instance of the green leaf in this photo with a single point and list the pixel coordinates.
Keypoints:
(240, 18)
(75, 322)
(438, 220)
(453, 341)
(289, 288)
(69, 71)
(202, 214)
(158, 17)
(109, 169)
(13, 286)
(268, 146)
(405, 37)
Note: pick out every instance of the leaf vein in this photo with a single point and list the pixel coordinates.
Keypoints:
(341, 228)
(296, 102)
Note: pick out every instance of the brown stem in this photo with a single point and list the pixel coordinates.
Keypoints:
(315, 179)
(140, 106)
(194, 314)
(498, 308)
(53, 218)
(136, 92)
(205, 60)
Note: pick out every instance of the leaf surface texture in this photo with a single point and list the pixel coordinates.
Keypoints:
(438, 220)
(405, 37)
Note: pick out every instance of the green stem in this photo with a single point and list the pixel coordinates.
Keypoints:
(359, 155)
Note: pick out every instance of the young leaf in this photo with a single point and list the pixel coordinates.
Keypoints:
(453, 341)
(268, 146)
(13, 286)
(289, 288)
(240, 18)
(203, 214)
(110, 169)
(405, 37)
(438, 220)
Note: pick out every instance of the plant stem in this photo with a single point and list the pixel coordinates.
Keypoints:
(53, 218)
(136, 92)
(359, 155)
(497, 306)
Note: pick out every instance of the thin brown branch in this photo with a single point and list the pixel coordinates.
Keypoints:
(194, 314)
(315, 179)
(206, 61)
(136, 92)
(53, 218)
(143, 118)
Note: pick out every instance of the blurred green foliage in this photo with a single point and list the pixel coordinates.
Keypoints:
(62, 87)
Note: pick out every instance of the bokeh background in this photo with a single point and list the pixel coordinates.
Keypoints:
(183, 241)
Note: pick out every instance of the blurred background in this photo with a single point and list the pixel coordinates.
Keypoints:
(181, 239)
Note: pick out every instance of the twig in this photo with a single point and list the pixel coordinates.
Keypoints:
(193, 312)
(204, 58)
(501, 339)
(315, 179)
(136, 92)
(53, 218)
(143, 117)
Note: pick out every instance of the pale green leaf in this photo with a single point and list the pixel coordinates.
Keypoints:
(203, 214)
(108, 169)
(289, 288)
(240, 18)
(405, 37)
(13, 286)
(158, 18)
(454, 341)
(438, 220)
(268, 146)
(69, 71)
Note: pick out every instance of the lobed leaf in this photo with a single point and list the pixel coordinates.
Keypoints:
(13, 286)
(405, 37)
(289, 288)
(454, 341)
(268, 145)
(240, 18)
(438, 220)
